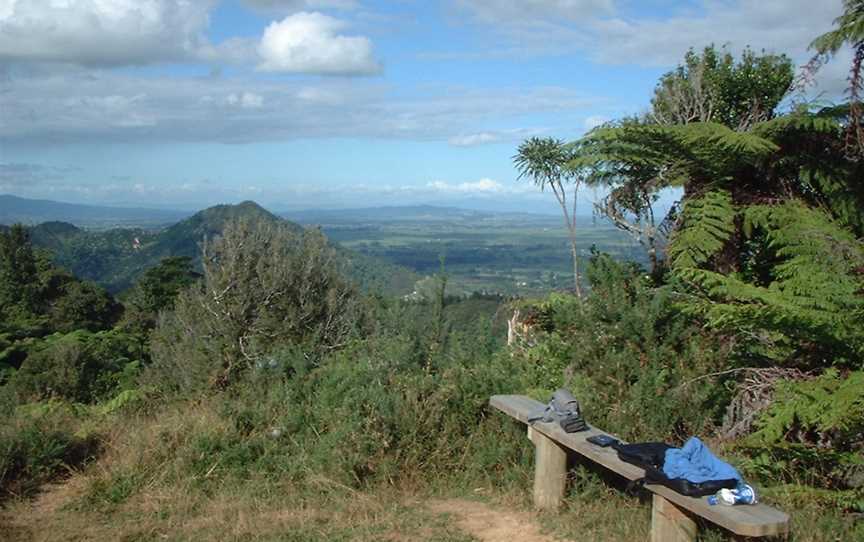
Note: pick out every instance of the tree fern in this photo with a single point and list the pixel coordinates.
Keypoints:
(707, 223)
(810, 311)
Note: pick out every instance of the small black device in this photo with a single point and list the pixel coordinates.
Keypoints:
(602, 440)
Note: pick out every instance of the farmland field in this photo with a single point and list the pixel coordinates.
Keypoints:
(513, 254)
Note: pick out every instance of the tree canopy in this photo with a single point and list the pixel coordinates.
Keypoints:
(715, 87)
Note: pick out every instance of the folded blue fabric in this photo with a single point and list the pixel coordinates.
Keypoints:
(695, 462)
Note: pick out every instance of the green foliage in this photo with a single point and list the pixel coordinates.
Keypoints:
(543, 160)
(39, 299)
(707, 224)
(265, 287)
(765, 247)
(629, 357)
(807, 307)
(79, 366)
(827, 411)
(157, 290)
(39, 445)
(17, 270)
(713, 86)
(83, 305)
(812, 434)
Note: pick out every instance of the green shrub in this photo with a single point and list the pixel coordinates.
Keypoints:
(629, 355)
(264, 288)
(79, 366)
(38, 445)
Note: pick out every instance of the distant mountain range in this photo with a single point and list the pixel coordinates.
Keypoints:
(35, 211)
(117, 257)
(412, 213)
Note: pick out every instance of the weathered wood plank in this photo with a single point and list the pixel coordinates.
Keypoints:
(550, 472)
(669, 523)
(754, 520)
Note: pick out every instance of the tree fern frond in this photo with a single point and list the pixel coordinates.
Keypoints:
(815, 298)
(707, 224)
(718, 138)
(776, 127)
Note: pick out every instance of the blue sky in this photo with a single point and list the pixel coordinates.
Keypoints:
(339, 103)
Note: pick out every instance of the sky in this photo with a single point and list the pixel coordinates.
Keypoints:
(341, 103)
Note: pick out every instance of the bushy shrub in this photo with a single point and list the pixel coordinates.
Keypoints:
(370, 414)
(264, 287)
(83, 305)
(629, 355)
(156, 291)
(79, 366)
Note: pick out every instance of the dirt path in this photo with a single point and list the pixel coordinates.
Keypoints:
(490, 525)
(44, 519)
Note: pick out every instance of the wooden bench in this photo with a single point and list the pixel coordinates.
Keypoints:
(672, 516)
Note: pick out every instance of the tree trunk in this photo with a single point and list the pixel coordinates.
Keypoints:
(574, 253)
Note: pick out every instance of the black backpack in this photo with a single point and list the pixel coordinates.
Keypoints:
(651, 456)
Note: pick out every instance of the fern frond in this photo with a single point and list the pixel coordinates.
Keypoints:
(720, 140)
(815, 298)
(707, 224)
(827, 404)
(796, 123)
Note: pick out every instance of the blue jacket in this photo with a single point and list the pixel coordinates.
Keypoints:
(695, 462)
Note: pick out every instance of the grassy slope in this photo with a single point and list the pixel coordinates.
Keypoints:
(97, 504)
(208, 469)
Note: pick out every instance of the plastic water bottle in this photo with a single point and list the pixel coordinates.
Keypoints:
(743, 494)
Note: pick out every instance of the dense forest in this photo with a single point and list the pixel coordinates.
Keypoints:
(266, 379)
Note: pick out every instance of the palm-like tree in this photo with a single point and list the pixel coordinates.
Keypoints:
(848, 30)
(545, 162)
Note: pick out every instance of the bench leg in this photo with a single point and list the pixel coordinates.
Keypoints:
(550, 471)
(670, 523)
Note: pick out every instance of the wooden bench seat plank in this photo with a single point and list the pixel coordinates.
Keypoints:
(751, 520)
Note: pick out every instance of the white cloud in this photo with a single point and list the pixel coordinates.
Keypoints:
(108, 107)
(483, 186)
(102, 32)
(472, 140)
(245, 100)
(309, 43)
(322, 96)
(782, 26)
(611, 34)
(497, 136)
(106, 33)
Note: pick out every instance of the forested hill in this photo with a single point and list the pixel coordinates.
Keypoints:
(116, 258)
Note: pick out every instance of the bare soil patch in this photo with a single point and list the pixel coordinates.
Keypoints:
(488, 524)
